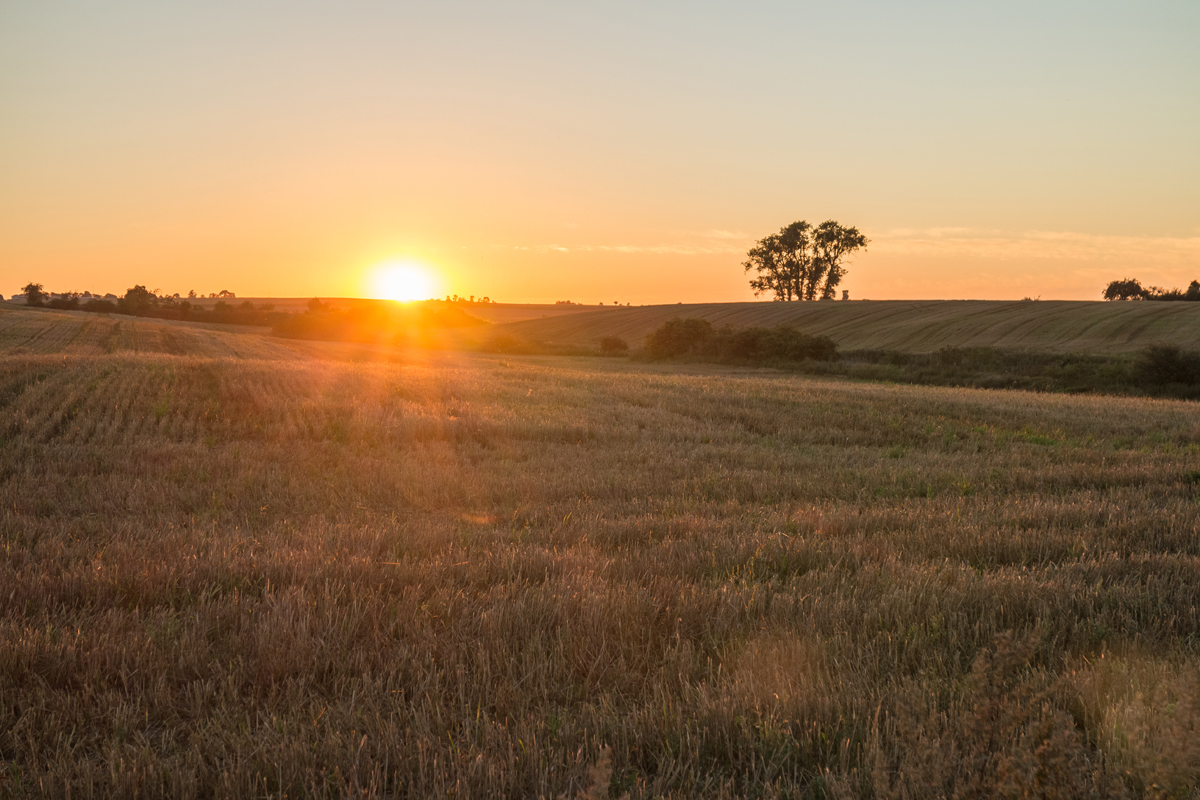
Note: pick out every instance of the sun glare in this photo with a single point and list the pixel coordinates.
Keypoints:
(403, 281)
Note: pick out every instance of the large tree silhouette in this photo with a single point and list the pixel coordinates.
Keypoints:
(802, 262)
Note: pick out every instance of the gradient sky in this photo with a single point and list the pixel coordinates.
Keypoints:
(607, 151)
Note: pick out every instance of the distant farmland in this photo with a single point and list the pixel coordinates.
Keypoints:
(906, 325)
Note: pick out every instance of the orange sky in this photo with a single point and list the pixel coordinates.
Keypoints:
(605, 152)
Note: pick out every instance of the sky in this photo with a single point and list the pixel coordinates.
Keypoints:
(597, 151)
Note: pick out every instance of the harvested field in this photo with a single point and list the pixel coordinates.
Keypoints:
(909, 326)
(242, 567)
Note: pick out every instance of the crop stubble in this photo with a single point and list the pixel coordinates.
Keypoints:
(282, 574)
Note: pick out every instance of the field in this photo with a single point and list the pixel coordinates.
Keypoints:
(233, 566)
(908, 326)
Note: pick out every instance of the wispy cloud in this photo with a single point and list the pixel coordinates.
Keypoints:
(975, 243)
(1056, 245)
(687, 244)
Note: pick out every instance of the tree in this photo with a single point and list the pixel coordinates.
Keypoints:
(802, 262)
(1193, 291)
(137, 301)
(1128, 289)
(833, 244)
(35, 294)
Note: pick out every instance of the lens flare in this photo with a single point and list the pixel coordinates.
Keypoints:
(403, 280)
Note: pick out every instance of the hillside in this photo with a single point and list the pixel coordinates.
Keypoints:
(38, 331)
(911, 326)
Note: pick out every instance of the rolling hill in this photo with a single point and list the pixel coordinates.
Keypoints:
(906, 325)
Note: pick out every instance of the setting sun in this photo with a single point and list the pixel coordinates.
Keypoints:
(403, 280)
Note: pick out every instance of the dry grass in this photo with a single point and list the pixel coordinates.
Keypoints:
(288, 575)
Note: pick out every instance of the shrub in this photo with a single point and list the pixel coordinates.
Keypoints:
(98, 306)
(678, 337)
(780, 343)
(1163, 364)
(506, 343)
(68, 301)
(788, 344)
(613, 346)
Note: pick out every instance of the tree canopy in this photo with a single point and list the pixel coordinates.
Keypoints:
(35, 294)
(1132, 289)
(803, 262)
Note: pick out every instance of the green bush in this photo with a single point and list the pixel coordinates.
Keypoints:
(696, 337)
(679, 337)
(1160, 365)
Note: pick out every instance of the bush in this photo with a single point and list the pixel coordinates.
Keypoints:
(507, 343)
(1159, 365)
(696, 337)
(65, 302)
(780, 343)
(98, 306)
(679, 337)
(613, 346)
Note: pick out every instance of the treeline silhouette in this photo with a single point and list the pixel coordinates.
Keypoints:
(139, 301)
(379, 322)
(1132, 289)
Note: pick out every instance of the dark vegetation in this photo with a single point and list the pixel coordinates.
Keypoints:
(1132, 289)
(698, 339)
(142, 302)
(613, 346)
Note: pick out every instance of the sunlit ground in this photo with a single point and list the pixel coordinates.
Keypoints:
(403, 281)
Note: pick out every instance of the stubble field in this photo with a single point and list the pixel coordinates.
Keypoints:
(273, 570)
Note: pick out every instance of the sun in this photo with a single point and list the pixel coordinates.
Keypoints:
(403, 281)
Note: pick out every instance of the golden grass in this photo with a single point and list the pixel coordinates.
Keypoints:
(286, 574)
(905, 325)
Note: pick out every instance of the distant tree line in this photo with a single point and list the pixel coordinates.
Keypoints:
(1132, 289)
(139, 301)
